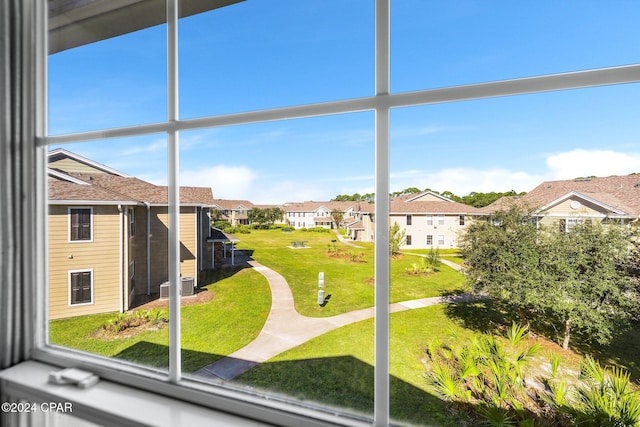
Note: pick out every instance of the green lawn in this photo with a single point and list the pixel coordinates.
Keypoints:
(231, 320)
(336, 369)
(350, 284)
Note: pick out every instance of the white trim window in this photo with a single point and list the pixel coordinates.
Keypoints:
(440, 219)
(80, 224)
(440, 239)
(80, 287)
(377, 103)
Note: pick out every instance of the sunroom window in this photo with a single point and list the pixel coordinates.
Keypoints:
(166, 110)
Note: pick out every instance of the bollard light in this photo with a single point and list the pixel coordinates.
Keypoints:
(320, 288)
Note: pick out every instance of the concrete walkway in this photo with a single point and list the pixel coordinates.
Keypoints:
(347, 242)
(285, 328)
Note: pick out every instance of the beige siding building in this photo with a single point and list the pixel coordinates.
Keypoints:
(108, 236)
(564, 203)
(430, 220)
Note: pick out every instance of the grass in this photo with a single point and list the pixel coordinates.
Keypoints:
(349, 284)
(452, 255)
(336, 369)
(231, 320)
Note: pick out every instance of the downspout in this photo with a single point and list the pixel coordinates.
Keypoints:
(199, 221)
(197, 246)
(126, 259)
(120, 258)
(148, 248)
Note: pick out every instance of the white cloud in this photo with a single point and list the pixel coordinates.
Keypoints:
(579, 162)
(565, 165)
(158, 145)
(242, 182)
(462, 181)
(227, 182)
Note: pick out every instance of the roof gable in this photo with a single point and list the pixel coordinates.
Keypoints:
(577, 201)
(428, 196)
(66, 161)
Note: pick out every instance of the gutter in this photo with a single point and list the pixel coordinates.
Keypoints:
(120, 260)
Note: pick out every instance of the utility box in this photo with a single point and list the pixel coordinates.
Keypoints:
(187, 286)
(164, 290)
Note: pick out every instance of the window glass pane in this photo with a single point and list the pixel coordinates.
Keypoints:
(106, 69)
(573, 155)
(264, 54)
(104, 290)
(274, 222)
(444, 43)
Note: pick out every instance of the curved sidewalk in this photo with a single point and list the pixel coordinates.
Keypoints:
(285, 328)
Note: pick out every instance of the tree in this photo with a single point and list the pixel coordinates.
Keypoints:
(410, 190)
(396, 238)
(273, 214)
(256, 216)
(591, 283)
(337, 216)
(584, 280)
(264, 216)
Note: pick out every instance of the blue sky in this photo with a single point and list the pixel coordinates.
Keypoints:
(264, 54)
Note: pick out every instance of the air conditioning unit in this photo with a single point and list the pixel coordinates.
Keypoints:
(164, 290)
(187, 286)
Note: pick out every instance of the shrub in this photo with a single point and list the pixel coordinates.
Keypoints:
(123, 321)
(316, 230)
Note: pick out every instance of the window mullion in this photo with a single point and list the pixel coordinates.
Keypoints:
(174, 193)
(381, 335)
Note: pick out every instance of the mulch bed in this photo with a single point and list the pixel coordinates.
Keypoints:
(200, 297)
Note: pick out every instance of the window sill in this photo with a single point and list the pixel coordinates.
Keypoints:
(108, 403)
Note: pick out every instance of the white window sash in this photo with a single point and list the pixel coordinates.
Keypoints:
(173, 384)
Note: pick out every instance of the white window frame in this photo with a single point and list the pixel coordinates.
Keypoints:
(440, 219)
(80, 304)
(381, 102)
(440, 241)
(71, 208)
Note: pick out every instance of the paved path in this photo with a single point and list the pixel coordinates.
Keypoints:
(347, 242)
(442, 260)
(285, 328)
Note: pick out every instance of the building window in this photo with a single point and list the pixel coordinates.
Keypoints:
(132, 275)
(408, 219)
(461, 220)
(408, 243)
(440, 219)
(132, 223)
(440, 239)
(566, 224)
(80, 287)
(80, 224)
(429, 220)
(429, 239)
